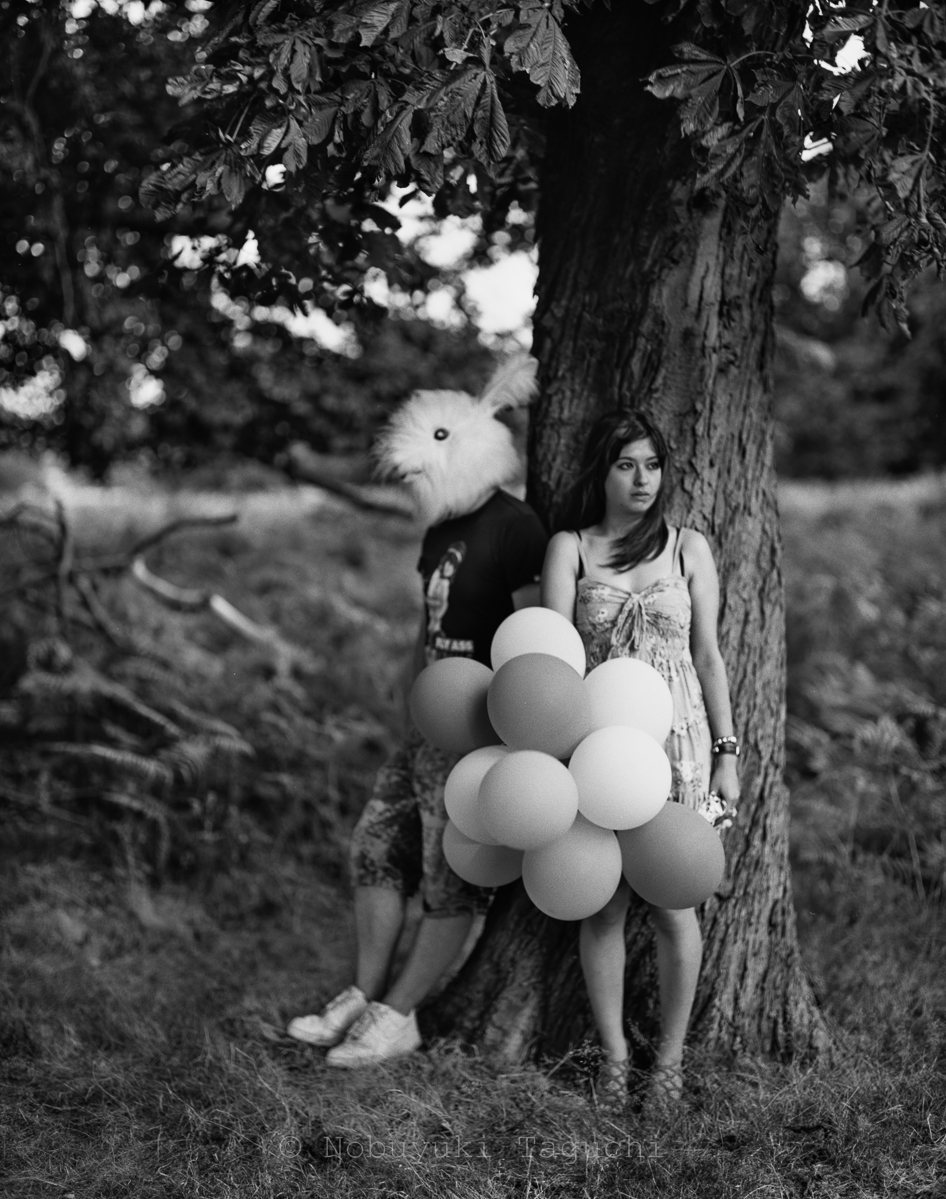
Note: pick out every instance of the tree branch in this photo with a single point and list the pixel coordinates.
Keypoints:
(305, 465)
(65, 563)
(85, 585)
(81, 575)
(182, 599)
(58, 224)
(186, 599)
(183, 522)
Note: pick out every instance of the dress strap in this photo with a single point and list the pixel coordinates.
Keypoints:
(582, 560)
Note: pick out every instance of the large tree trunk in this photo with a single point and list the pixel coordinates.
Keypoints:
(653, 296)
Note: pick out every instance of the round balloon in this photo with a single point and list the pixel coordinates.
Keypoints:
(536, 701)
(623, 777)
(482, 865)
(575, 875)
(537, 631)
(448, 705)
(461, 793)
(675, 860)
(528, 799)
(630, 692)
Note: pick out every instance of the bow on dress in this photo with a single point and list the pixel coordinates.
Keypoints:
(630, 628)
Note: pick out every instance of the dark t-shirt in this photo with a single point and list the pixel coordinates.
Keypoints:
(470, 566)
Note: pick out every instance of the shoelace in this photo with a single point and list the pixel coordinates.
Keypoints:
(365, 1022)
(338, 1002)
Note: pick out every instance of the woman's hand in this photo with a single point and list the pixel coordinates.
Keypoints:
(724, 779)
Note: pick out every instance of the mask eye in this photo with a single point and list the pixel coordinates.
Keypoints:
(441, 434)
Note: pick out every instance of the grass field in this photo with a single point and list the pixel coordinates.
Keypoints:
(152, 954)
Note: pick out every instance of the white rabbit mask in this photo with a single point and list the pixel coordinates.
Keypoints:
(448, 446)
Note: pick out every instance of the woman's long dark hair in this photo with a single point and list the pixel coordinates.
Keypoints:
(608, 436)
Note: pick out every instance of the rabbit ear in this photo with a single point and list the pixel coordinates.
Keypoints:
(512, 385)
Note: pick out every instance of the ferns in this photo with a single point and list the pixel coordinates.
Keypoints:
(875, 796)
(110, 750)
(885, 744)
(187, 764)
(100, 747)
(199, 721)
(49, 655)
(152, 810)
(193, 759)
(150, 771)
(866, 735)
(162, 718)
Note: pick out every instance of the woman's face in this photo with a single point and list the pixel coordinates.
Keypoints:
(632, 482)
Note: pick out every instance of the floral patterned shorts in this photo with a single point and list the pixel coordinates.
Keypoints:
(397, 841)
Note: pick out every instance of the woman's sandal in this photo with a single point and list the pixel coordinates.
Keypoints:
(610, 1086)
(664, 1090)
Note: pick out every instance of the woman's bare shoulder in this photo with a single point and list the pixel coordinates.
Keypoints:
(560, 574)
(564, 542)
(692, 537)
(694, 547)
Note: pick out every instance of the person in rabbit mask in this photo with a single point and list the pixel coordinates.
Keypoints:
(480, 560)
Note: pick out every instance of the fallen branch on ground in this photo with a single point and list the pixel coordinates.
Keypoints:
(187, 599)
(68, 571)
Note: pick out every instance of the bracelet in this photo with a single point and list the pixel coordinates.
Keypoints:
(726, 745)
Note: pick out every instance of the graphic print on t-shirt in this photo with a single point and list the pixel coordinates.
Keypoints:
(438, 601)
(471, 567)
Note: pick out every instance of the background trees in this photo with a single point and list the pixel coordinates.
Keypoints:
(150, 309)
(851, 398)
(133, 342)
(82, 261)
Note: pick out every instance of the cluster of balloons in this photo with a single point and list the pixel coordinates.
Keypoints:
(563, 778)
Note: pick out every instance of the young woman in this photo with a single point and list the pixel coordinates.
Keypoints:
(636, 587)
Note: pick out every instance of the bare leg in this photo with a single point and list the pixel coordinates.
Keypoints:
(438, 941)
(603, 959)
(379, 919)
(679, 954)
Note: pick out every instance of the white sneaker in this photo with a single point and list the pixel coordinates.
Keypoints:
(380, 1033)
(334, 1020)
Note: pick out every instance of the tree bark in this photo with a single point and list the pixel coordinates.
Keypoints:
(651, 295)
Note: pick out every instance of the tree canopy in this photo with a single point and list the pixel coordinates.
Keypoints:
(99, 299)
(82, 255)
(350, 97)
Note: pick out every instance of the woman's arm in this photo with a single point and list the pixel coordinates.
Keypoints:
(559, 585)
(710, 668)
